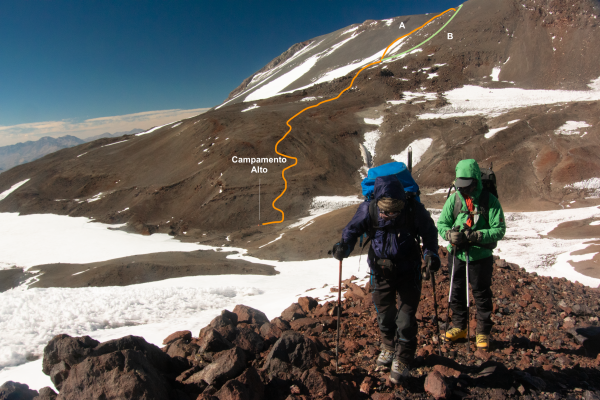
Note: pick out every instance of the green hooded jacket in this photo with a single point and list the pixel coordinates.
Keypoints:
(492, 230)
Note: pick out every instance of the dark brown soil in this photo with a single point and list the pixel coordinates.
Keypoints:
(145, 268)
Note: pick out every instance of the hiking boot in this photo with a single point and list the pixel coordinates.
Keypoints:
(385, 357)
(455, 334)
(399, 371)
(483, 341)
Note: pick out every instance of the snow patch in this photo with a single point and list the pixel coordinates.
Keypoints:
(14, 187)
(252, 107)
(374, 121)
(176, 125)
(153, 129)
(311, 98)
(419, 147)
(495, 73)
(492, 132)
(571, 128)
(411, 96)
(280, 236)
(110, 144)
(370, 142)
(325, 204)
(474, 100)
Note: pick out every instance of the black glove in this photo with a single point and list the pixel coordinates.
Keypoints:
(473, 236)
(455, 238)
(340, 251)
(433, 263)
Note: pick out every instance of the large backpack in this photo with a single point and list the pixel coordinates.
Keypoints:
(411, 189)
(394, 168)
(488, 180)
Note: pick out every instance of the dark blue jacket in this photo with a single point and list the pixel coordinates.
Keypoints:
(393, 240)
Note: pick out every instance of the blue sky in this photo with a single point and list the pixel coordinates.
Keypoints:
(73, 61)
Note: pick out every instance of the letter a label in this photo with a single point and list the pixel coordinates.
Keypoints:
(402, 25)
(450, 36)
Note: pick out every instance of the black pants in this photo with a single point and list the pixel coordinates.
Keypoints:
(480, 278)
(396, 300)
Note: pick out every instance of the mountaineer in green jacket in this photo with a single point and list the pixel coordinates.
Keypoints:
(474, 228)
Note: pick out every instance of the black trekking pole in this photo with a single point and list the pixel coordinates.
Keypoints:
(468, 313)
(450, 291)
(437, 322)
(339, 315)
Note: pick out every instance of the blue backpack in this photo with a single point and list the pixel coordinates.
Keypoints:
(410, 188)
(394, 168)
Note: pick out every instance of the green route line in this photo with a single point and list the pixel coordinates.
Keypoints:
(426, 40)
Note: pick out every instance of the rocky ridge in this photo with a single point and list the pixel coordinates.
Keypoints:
(546, 344)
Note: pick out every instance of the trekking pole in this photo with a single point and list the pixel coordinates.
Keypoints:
(468, 314)
(437, 322)
(339, 314)
(450, 291)
(409, 159)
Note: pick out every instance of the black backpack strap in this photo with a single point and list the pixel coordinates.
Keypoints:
(374, 221)
(484, 206)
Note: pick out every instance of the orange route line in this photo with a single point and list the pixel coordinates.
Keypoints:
(325, 101)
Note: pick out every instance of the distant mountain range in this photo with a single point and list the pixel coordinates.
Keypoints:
(21, 153)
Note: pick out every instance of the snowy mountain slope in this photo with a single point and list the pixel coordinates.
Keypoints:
(497, 92)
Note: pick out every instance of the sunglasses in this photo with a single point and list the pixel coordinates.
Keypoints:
(389, 213)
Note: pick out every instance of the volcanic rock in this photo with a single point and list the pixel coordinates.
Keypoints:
(186, 335)
(589, 338)
(71, 350)
(249, 315)
(307, 304)
(249, 341)
(16, 391)
(213, 342)
(46, 393)
(293, 312)
(125, 374)
(436, 385)
(228, 365)
(292, 348)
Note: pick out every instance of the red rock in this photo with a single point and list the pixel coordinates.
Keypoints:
(320, 311)
(383, 396)
(527, 297)
(365, 386)
(484, 355)
(213, 342)
(446, 371)
(249, 341)
(293, 312)
(249, 315)
(351, 346)
(302, 324)
(436, 385)
(316, 383)
(186, 335)
(228, 366)
(18, 391)
(307, 304)
(537, 306)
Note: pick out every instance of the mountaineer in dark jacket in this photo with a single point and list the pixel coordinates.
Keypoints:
(395, 262)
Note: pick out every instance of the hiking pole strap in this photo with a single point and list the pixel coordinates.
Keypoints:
(339, 314)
